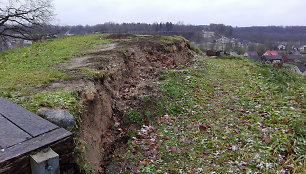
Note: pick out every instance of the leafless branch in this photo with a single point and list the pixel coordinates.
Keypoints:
(18, 18)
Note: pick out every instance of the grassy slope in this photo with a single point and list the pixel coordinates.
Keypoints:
(226, 116)
(28, 68)
(24, 69)
(249, 114)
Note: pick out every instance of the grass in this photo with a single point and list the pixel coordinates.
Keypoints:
(216, 115)
(24, 73)
(224, 116)
(24, 69)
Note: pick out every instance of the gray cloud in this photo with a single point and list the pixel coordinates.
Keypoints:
(230, 12)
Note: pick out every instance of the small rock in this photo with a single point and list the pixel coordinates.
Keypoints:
(59, 117)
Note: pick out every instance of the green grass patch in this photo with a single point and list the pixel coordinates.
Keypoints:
(24, 69)
(226, 115)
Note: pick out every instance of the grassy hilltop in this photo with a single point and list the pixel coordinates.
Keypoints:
(25, 70)
(223, 115)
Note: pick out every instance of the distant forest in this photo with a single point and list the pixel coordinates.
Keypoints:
(267, 35)
(275, 34)
(190, 32)
(264, 34)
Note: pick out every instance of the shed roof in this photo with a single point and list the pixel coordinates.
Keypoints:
(302, 68)
(273, 57)
(252, 53)
(296, 53)
(291, 56)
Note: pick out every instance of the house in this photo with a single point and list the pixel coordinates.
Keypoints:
(244, 43)
(211, 53)
(301, 69)
(270, 53)
(295, 47)
(68, 33)
(253, 55)
(223, 40)
(295, 53)
(281, 47)
(250, 53)
(292, 58)
(208, 34)
(27, 42)
(272, 58)
(301, 48)
(233, 53)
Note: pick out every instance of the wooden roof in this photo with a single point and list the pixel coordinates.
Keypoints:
(21, 131)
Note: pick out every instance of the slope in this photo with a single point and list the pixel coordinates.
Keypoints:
(224, 115)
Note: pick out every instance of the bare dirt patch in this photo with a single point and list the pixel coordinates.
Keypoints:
(89, 59)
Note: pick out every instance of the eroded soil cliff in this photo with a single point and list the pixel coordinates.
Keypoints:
(123, 73)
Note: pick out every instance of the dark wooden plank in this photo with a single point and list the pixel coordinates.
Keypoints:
(10, 134)
(24, 119)
(63, 147)
(20, 165)
(33, 144)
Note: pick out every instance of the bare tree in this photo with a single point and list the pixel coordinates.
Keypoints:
(24, 19)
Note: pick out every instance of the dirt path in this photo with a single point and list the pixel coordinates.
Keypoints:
(86, 60)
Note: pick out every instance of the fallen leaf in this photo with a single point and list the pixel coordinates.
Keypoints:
(153, 146)
(174, 149)
(202, 128)
(159, 120)
(108, 133)
(132, 127)
(143, 163)
(266, 140)
(147, 122)
(101, 170)
(298, 100)
(236, 131)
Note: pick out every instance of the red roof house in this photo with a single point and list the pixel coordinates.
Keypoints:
(271, 53)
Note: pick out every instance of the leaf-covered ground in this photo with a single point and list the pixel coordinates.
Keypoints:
(222, 116)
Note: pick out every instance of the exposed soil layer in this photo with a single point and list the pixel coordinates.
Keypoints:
(130, 67)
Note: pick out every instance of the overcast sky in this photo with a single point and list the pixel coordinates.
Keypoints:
(229, 12)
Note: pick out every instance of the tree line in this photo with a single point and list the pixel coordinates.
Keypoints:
(30, 19)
